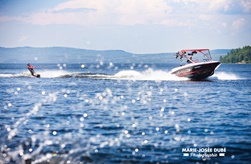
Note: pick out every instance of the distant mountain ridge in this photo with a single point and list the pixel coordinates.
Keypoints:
(75, 55)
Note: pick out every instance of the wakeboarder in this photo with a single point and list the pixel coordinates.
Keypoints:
(31, 69)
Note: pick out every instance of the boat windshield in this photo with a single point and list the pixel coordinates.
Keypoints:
(194, 56)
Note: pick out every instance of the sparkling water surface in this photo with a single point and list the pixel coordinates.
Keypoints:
(123, 113)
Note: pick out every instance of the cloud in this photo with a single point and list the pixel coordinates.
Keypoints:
(237, 24)
(141, 12)
(45, 18)
(89, 12)
(215, 6)
(246, 4)
(133, 12)
(121, 12)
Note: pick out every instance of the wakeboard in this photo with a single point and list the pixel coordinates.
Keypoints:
(37, 75)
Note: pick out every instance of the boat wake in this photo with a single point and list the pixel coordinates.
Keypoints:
(14, 75)
(226, 76)
(54, 74)
(149, 74)
(152, 75)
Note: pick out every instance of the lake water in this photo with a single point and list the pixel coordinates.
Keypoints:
(123, 113)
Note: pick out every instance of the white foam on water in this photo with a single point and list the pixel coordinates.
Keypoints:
(43, 74)
(226, 76)
(6, 75)
(53, 73)
(127, 74)
(16, 75)
(149, 74)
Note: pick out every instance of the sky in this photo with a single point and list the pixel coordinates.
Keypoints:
(137, 26)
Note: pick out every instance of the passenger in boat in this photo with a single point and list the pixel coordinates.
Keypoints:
(183, 54)
(190, 59)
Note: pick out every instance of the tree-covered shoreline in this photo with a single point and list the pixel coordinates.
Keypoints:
(239, 55)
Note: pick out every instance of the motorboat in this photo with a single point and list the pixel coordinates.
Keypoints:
(198, 64)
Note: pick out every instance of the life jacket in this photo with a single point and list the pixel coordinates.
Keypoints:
(30, 68)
